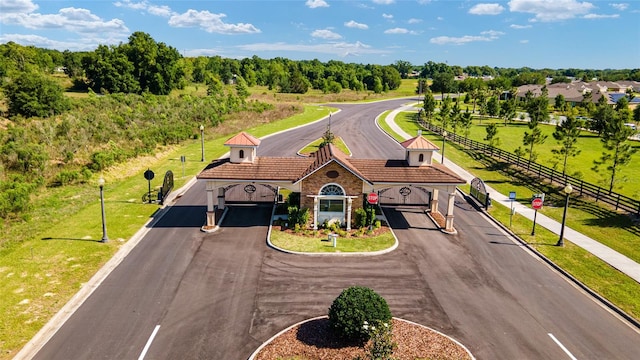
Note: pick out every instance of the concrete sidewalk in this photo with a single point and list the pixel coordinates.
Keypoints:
(606, 254)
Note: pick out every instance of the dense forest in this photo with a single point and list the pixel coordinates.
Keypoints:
(48, 138)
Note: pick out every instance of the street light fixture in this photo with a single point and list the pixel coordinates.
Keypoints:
(105, 238)
(444, 137)
(202, 141)
(567, 190)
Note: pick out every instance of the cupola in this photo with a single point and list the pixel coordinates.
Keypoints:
(419, 151)
(243, 148)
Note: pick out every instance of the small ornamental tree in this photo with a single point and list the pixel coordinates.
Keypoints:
(355, 307)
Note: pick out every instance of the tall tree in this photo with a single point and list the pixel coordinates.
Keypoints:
(508, 110)
(618, 151)
(538, 110)
(491, 136)
(567, 133)
(32, 94)
(445, 112)
(444, 83)
(493, 106)
(429, 104)
(466, 123)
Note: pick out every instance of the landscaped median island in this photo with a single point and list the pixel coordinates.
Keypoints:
(360, 326)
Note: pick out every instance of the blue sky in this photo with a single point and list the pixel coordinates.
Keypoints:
(534, 33)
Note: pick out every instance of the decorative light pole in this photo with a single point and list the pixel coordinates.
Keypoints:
(105, 238)
(444, 137)
(202, 141)
(567, 190)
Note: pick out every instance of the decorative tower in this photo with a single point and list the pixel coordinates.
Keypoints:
(243, 148)
(419, 151)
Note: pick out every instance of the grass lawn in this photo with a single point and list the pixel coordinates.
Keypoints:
(615, 230)
(579, 166)
(315, 145)
(317, 241)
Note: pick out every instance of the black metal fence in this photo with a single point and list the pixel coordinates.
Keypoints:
(582, 187)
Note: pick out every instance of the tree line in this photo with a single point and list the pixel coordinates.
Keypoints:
(609, 122)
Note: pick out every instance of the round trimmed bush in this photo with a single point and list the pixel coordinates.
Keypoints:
(353, 307)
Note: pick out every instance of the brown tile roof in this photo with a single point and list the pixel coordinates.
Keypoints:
(393, 171)
(326, 154)
(264, 168)
(243, 139)
(295, 169)
(419, 143)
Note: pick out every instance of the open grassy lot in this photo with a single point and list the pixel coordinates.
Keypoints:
(615, 230)
(579, 166)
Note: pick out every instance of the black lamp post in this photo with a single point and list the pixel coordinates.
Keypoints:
(567, 190)
(444, 137)
(105, 238)
(202, 141)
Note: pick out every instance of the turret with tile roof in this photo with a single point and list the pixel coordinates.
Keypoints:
(243, 148)
(419, 151)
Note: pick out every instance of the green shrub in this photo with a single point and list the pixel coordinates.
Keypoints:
(360, 218)
(353, 307)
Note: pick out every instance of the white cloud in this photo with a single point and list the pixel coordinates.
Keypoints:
(486, 9)
(70, 19)
(444, 40)
(157, 10)
(316, 4)
(486, 36)
(414, 21)
(551, 10)
(210, 22)
(620, 6)
(84, 44)
(356, 25)
(387, 16)
(516, 26)
(384, 2)
(326, 34)
(439, 18)
(601, 16)
(492, 33)
(17, 6)
(341, 49)
(399, 31)
(524, 41)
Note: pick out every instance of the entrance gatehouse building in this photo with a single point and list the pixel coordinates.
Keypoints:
(331, 184)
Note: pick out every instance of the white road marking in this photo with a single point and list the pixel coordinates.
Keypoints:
(148, 345)
(562, 346)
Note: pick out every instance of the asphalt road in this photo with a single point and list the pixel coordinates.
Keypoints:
(220, 295)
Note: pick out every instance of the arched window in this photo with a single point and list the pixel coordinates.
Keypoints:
(421, 157)
(334, 201)
(332, 189)
(241, 154)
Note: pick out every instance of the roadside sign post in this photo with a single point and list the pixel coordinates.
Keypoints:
(512, 198)
(372, 198)
(536, 203)
(183, 159)
(149, 175)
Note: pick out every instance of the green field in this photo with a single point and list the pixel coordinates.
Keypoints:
(579, 166)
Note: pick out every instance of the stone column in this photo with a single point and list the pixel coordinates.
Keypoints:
(449, 217)
(349, 203)
(434, 201)
(221, 198)
(315, 213)
(211, 213)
